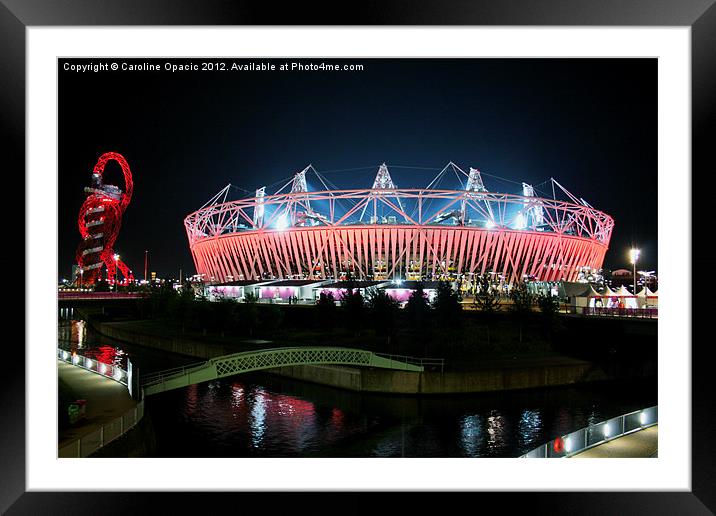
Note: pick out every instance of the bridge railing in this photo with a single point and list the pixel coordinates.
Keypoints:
(160, 376)
(432, 363)
(263, 359)
(595, 434)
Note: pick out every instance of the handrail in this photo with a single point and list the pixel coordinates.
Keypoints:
(88, 444)
(596, 434)
(110, 371)
(414, 360)
(159, 376)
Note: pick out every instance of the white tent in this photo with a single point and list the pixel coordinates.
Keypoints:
(595, 298)
(593, 293)
(652, 299)
(609, 292)
(642, 297)
(623, 291)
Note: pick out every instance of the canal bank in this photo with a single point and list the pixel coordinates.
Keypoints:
(489, 376)
(267, 415)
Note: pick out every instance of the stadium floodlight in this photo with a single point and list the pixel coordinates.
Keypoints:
(282, 222)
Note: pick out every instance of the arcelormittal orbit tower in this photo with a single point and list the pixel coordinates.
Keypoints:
(99, 221)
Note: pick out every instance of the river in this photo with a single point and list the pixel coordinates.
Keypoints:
(263, 415)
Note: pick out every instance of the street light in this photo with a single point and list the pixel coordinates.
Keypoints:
(116, 274)
(634, 257)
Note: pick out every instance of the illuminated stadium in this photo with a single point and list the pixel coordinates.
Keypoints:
(388, 232)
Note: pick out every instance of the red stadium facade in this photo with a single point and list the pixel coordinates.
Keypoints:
(99, 221)
(387, 232)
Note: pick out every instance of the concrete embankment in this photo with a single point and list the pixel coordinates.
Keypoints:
(488, 377)
(497, 377)
(124, 331)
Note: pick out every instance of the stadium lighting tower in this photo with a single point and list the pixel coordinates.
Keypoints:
(634, 257)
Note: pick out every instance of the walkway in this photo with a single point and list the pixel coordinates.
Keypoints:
(106, 400)
(641, 444)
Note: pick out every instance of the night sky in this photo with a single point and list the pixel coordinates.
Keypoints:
(589, 123)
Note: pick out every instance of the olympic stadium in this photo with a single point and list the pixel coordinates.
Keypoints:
(393, 233)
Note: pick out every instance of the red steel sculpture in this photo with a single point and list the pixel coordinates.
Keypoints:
(99, 221)
(387, 232)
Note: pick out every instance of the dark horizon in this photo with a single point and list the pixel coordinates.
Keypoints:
(589, 123)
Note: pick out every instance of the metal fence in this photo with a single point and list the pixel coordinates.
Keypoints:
(100, 295)
(596, 434)
(161, 376)
(642, 313)
(107, 370)
(429, 364)
(93, 441)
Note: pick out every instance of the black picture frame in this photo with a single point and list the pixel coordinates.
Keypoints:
(700, 15)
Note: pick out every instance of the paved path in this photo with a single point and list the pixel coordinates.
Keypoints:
(641, 444)
(106, 400)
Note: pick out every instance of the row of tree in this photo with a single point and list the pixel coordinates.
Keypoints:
(376, 311)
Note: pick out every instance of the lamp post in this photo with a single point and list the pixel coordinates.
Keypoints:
(116, 274)
(634, 256)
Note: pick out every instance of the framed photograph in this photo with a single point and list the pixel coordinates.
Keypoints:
(433, 250)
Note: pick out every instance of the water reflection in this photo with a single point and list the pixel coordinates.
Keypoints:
(258, 418)
(259, 415)
(496, 433)
(471, 435)
(529, 429)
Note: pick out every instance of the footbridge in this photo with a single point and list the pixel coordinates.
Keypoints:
(229, 365)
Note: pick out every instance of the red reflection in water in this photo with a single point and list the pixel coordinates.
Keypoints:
(192, 396)
(104, 354)
(337, 418)
(294, 416)
(271, 408)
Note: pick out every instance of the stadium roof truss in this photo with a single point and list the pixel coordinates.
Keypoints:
(425, 233)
